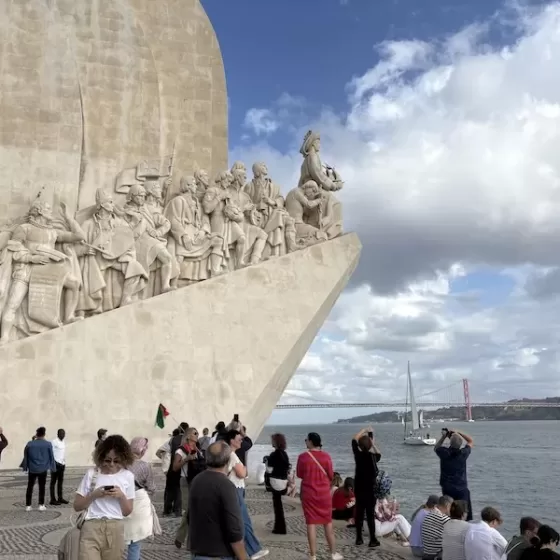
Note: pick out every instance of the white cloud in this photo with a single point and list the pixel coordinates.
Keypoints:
(261, 121)
(449, 150)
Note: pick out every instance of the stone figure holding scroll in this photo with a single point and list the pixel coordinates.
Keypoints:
(44, 273)
(276, 222)
(150, 231)
(226, 223)
(255, 236)
(111, 275)
(312, 168)
(190, 238)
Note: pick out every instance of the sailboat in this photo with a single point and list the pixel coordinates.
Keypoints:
(415, 437)
(423, 424)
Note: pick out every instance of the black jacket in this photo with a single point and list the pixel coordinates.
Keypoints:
(366, 467)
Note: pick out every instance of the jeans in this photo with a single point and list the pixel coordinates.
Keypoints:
(459, 494)
(252, 545)
(133, 552)
(41, 478)
(57, 479)
(172, 496)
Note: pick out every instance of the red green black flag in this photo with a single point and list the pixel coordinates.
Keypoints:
(162, 414)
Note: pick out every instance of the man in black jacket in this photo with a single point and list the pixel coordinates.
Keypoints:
(246, 444)
(366, 457)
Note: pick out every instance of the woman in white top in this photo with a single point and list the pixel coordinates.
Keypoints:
(454, 531)
(107, 494)
(237, 473)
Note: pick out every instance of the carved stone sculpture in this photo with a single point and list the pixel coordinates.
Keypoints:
(202, 182)
(276, 222)
(302, 203)
(111, 275)
(42, 266)
(252, 220)
(150, 230)
(226, 223)
(190, 238)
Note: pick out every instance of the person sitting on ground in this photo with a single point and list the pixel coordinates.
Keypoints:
(418, 517)
(483, 541)
(344, 502)
(453, 466)
(387, 517)
(453, 540)
(528, 528)
(336, 482)
(432, 529)
(543, 545)
(216, 522)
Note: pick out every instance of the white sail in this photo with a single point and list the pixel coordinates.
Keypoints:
(421, 418)
(413, 411)
(402, 420)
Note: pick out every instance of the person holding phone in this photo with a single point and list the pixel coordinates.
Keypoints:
(106, 492)
(366, 457)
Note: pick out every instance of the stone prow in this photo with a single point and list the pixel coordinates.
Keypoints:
(207, 351)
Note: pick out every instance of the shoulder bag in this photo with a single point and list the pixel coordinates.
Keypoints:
(319, 465)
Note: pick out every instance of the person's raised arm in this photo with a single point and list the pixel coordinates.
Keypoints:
(440, 441)
(360, 434)
(468, 439)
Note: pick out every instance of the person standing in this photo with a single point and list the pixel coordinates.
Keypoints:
(216, 519)
(139, 525)
(482, 540)
(453, 466)
(237, 472)
(3, 442)
(204, 441)
(101, 436)
(366, 457)
(106, 494)
(314, 468)
(38, 459)
(278, 465)
(57, 476)
(246, 444)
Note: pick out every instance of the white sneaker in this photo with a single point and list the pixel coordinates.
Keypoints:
(42, 508)
(260, 554)
(337, 556)
(28, 508)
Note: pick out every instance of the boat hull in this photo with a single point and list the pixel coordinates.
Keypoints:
(419, 441)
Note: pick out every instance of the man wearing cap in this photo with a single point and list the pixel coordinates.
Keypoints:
(453, 466)
(418, 517)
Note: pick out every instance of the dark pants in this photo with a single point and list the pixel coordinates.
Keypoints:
(279, 519)
(459, 494)
(343, 514)
(172, 502)
(57, 479)
(365, 507)
(31, 478)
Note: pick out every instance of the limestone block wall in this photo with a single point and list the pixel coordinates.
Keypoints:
(224, 346)
(91, 87)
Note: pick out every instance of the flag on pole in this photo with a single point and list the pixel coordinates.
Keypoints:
(162, 414)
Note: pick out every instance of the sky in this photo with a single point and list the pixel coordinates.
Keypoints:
(443, 118)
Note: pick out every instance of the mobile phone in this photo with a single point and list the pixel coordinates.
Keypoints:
(236, 417)
(108, 488)
(370, 434)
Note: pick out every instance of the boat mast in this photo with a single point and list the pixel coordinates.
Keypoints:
(406, 403)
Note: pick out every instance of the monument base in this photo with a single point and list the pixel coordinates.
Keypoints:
(224, 346)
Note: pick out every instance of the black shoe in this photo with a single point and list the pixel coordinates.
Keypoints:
(55, 503)
(63, 501)
(178, 544)
(374, 543)
(359, 541)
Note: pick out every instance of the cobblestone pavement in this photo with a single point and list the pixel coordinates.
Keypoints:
(35, 535)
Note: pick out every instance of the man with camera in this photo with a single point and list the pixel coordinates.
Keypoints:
(453, 465)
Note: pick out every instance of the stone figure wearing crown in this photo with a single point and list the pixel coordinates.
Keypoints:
(111, 275)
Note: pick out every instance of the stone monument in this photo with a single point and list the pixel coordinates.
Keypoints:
(244, 277)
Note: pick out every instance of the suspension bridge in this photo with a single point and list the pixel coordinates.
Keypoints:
(457, 394)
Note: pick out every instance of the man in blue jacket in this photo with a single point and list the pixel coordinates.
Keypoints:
(38, 459)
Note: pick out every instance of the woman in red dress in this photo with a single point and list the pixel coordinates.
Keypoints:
(315, 469)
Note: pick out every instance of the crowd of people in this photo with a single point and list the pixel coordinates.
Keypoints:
(206, 486)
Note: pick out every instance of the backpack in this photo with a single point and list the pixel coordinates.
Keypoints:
(383, 485)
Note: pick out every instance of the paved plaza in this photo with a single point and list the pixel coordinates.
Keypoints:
(36, 534)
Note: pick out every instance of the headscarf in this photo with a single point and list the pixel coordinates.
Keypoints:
(139, 446)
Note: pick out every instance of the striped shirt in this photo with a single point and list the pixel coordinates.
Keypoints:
(432, 532)
(453, 540)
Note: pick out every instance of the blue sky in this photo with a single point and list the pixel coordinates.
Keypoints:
(444, 119)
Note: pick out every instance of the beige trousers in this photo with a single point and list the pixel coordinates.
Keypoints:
(102, 539)
(183, 529)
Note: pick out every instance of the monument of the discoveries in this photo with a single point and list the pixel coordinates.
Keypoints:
(136, 265)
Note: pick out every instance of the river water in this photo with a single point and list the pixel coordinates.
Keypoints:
(514, 466)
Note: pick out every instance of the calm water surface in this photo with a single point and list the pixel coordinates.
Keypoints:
(514, 466)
